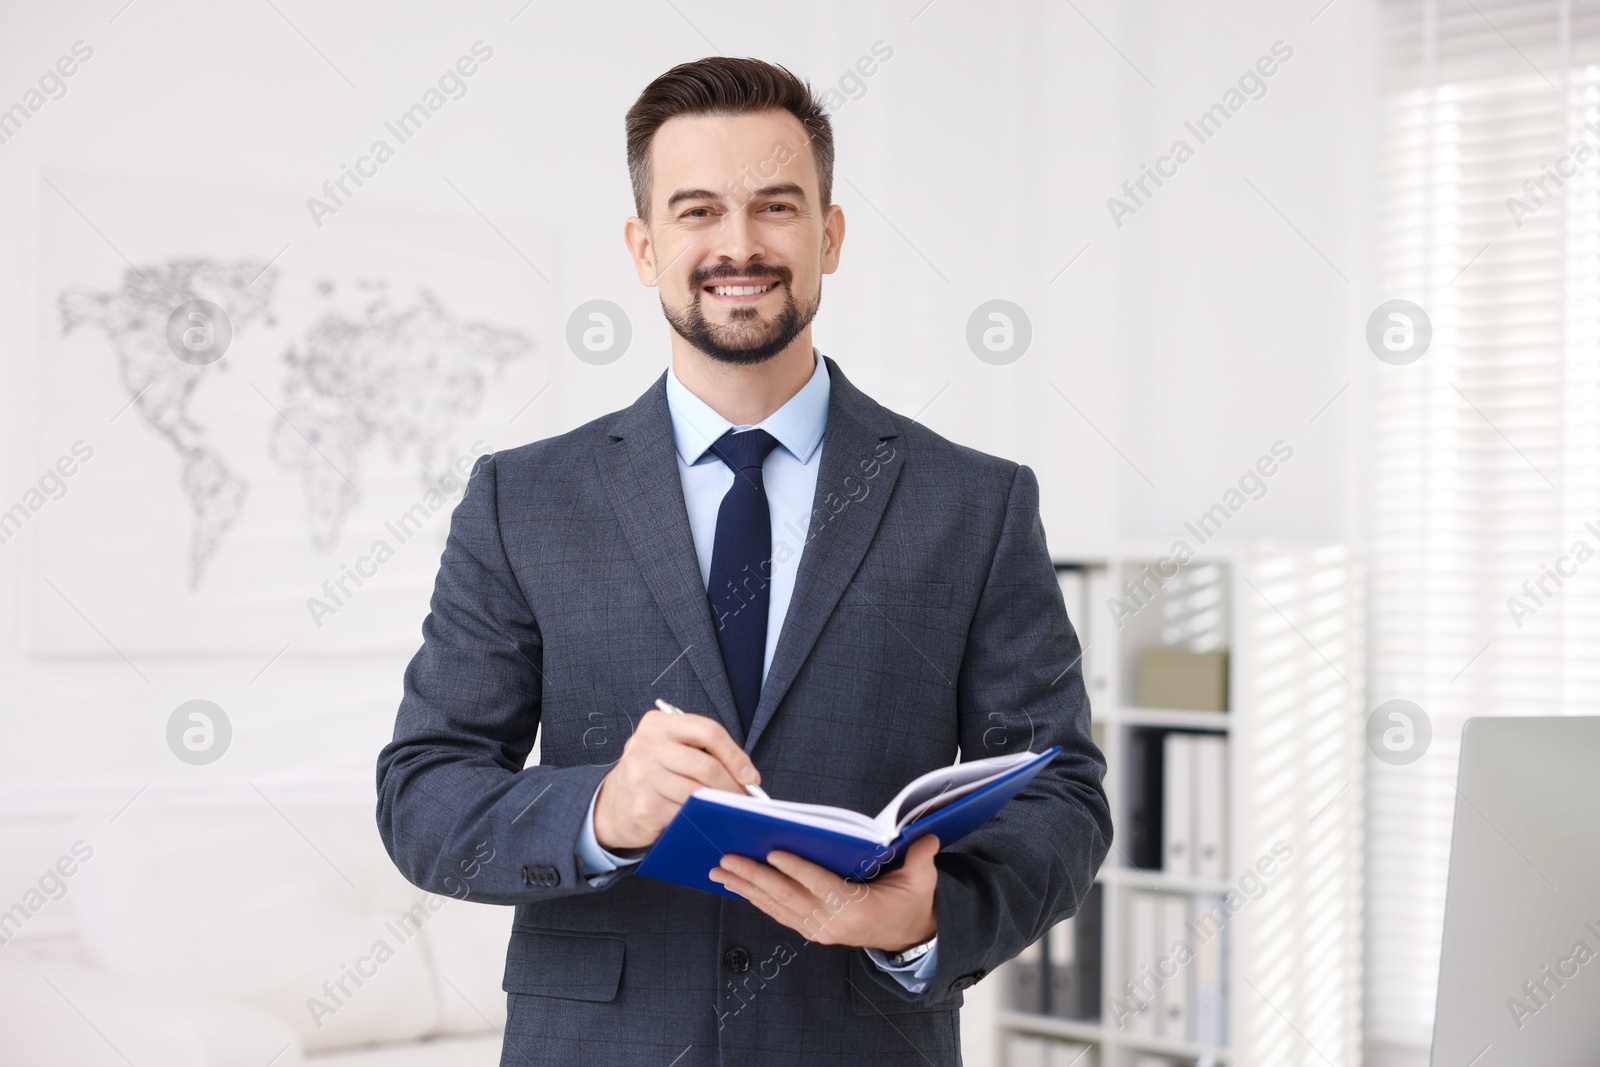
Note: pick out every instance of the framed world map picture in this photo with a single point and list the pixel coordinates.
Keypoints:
(251, 429)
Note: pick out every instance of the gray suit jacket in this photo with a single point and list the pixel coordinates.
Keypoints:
(926, 622)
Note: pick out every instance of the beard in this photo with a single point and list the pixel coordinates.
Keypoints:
(746, 338)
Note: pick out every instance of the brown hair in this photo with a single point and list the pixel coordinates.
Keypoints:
(721, 85)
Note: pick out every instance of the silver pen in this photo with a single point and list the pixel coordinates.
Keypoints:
(753, 790)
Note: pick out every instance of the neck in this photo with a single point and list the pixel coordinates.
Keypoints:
(744, 394)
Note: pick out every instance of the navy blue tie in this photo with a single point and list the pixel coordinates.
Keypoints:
(741, 567)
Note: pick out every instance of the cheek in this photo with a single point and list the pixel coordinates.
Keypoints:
(680, 288)
(806, 284)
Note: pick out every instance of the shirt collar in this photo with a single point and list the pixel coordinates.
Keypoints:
(798, 425)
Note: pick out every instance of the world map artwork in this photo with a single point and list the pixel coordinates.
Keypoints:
(376, 370)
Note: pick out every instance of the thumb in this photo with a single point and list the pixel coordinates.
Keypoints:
(922, 850)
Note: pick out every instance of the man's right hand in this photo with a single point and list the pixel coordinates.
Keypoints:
(667, 758)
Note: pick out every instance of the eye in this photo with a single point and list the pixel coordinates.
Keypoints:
(781, 207)
(697, 213)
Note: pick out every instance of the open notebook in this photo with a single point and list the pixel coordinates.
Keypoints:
(950, 802)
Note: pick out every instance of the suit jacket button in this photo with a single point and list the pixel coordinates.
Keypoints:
(545, 876)
(966, 981)
(737, 959)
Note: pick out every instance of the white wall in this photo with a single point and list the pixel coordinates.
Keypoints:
(1235, 330)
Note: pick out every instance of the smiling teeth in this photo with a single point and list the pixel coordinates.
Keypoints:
(740, 290)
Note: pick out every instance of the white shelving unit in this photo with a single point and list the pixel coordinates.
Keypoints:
(1291, 619)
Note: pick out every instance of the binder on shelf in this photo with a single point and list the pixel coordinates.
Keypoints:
(1210, 806)
(1062, 945)
(1072, 949)
(1025, 980)
(1061, 968)
(1173, 1000)
(1098, 638)
(1145, 759)
(1178, 804)
(1208, 1010)
(1073, 592)
(1090, 931)
(1144, 919)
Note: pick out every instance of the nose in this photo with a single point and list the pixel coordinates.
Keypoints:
(736, 240)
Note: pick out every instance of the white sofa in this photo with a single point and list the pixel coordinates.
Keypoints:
(250, 933)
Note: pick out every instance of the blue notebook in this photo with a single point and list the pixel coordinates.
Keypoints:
(950, 802)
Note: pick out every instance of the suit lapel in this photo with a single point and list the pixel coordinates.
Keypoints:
(842, 526)
(639, 468)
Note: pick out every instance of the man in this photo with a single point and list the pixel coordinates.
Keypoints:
(839, 597)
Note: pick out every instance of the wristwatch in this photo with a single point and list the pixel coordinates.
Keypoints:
(912, 954)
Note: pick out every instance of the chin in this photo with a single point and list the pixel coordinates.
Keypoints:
(755, 345)
(745, 350)
(743, 357)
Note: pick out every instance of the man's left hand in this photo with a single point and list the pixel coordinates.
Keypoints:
(890, 913)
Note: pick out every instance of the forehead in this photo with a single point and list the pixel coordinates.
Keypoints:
(705, 151)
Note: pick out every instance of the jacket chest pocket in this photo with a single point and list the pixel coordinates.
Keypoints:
(567, 966)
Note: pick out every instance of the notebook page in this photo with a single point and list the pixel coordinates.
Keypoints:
(941, 786)
(821, 816)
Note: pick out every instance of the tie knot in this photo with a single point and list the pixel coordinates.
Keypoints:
(743, 450)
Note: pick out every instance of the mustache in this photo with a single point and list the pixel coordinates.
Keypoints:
(727, 270)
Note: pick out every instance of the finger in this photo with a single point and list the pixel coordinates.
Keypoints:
(734, 884)
(757, 896)
(708, 734)
(671, 787)
(918, 861)
(776, 885)
(724, 876)
(698, 764)
(817, 880)
(801, 912)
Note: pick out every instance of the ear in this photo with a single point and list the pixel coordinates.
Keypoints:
(832, 238)
(636, 235)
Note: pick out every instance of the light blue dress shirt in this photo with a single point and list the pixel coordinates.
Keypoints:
(790, 477)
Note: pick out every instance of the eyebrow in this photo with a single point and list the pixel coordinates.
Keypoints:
(775, 189)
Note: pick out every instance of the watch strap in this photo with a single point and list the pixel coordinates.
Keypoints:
(912, 954)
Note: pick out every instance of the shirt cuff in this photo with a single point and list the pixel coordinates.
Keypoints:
(915, 975)
(598, 866)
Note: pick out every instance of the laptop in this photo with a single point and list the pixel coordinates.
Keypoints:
(1519, 970)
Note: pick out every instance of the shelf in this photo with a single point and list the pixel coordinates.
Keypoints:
(1053, 1026)
(1255, 601)
(1174, 718)
(1075, 1030)
(1161, 881)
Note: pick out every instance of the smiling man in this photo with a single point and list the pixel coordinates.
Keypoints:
(839, 597)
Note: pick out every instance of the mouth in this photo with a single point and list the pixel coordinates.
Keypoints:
(747, 293)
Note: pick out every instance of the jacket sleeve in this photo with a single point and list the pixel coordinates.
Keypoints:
(1020, 687)
(457, 810)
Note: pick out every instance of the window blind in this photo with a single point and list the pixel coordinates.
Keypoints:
(1486, 451)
